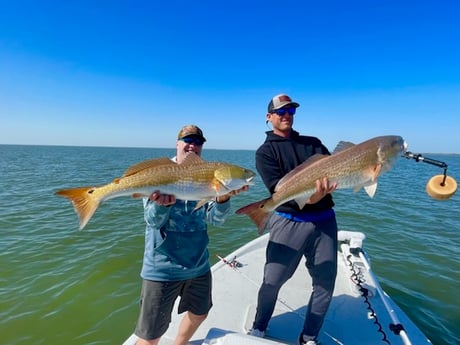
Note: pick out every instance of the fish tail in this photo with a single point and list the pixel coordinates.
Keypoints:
(258, 213)
(84, 202)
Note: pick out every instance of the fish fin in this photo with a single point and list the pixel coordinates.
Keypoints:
(257, 213)
(371, 189)
(313, 159)
(200, 204)
(84, 202)
(218, 187)
(376, 172)
(316, 157)
(343, 145)
(301, 201)
(151, 163)
(192, 158)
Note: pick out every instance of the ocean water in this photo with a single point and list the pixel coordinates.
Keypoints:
(59, 285)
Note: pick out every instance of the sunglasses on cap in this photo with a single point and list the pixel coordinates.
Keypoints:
(193, 140)
(283, 111)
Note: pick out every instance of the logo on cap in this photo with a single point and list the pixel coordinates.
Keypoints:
(280, 101)
(284, 98)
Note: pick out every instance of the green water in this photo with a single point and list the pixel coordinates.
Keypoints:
(60, 285)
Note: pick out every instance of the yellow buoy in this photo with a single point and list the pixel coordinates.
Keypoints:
(437, 190)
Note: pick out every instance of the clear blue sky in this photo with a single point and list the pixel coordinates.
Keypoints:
(131, 73)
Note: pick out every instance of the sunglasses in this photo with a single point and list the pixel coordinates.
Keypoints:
(283, 111)
(193, 140)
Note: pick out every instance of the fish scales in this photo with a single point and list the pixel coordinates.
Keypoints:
(347, 171)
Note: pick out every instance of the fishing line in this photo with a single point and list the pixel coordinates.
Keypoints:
(234, 264)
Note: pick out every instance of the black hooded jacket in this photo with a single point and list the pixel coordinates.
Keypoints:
(277, 156)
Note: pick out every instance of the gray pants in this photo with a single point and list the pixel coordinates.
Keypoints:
(289, 241)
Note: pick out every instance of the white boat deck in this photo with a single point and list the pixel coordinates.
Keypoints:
(352, 319)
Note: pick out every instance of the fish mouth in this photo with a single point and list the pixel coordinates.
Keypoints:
(405, 146)
(249, 180)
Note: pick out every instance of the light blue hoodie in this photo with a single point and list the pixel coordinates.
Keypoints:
(176, 239)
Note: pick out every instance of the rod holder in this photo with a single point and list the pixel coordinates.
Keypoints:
(419, 158)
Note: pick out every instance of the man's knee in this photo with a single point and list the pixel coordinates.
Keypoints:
(324, 273)
(147, 342)
(197, 319)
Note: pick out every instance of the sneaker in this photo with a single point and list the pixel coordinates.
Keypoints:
(256, 333)
(307, 342)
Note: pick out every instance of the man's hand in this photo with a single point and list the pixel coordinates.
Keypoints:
(162, 199)
(322, 189)
(226, 197)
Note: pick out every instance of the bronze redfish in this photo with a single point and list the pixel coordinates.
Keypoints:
(193, 179)
(351, 166)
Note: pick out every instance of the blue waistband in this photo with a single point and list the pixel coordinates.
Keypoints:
(308, 217)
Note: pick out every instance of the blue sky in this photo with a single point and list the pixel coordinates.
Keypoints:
(131, 73)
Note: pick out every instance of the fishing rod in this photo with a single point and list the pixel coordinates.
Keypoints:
(440, 187)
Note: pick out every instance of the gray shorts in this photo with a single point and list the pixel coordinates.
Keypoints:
(158, 298)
